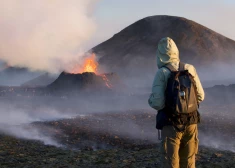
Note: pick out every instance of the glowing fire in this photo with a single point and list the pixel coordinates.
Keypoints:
(89, 65)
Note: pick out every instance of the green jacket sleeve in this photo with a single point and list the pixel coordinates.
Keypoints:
(157, 98)
(200, 90)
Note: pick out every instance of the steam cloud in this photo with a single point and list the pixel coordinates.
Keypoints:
(44, 35)
(15, 122)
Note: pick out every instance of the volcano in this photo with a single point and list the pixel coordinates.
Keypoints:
(84, 82)
(132, 50)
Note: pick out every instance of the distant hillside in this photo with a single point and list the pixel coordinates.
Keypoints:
(42, 80)
(13, 76)
(220, 94)
(132, 51)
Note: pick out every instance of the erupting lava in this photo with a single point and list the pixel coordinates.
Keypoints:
(89, 65)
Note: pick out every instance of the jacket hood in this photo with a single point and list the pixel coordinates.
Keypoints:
(167, 52)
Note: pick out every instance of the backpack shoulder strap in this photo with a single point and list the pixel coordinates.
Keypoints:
(181, 66)
(170, 68)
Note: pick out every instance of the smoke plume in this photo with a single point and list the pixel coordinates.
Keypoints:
(44, 35)
(15, 121)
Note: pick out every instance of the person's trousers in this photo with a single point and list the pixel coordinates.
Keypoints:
(179, 147)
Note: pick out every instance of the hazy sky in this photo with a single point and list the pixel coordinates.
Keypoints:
(111, 16)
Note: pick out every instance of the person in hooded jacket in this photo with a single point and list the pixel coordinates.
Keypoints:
(178, 147)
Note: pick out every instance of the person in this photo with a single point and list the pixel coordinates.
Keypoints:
(179, 142)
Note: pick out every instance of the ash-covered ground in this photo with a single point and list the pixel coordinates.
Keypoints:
(116, 123)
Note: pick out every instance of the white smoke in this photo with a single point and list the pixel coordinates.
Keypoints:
(216, 141)
(44, 35)
(16, 121)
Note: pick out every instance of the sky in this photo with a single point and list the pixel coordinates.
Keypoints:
(111, 16)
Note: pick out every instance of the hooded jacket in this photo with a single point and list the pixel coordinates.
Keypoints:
(168, 53)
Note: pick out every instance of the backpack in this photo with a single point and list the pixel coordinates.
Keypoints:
(181, 93)
(181, 103)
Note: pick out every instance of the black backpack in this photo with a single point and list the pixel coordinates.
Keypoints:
(181, 103)
(181, 93)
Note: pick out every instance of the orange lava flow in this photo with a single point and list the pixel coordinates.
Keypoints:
(106, 80)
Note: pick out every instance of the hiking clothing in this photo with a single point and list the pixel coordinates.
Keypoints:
(178, 149)
(179, 140)
(168, 53)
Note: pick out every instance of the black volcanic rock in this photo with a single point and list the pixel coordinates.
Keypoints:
(87, 81)
(132, 51)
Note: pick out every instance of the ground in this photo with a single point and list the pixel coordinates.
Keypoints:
(21, 153)
(87, 132)
(95, 141)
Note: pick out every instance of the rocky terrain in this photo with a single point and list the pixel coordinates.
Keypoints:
(98, 132)
(97, 141)
(27, 154)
